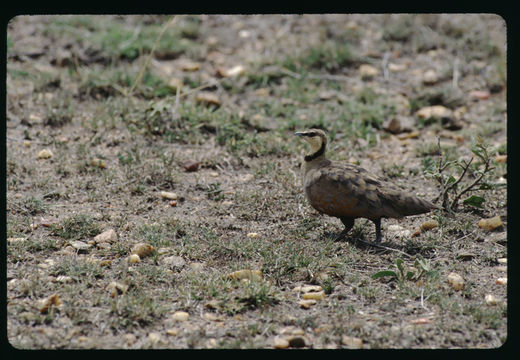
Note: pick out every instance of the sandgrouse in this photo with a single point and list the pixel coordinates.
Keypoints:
(348, 191)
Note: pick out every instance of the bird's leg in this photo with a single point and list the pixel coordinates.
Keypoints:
(349, 223)
(379, 235)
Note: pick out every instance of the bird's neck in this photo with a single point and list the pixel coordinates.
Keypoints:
(319, 153)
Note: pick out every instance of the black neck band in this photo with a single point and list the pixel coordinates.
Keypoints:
(320, 152)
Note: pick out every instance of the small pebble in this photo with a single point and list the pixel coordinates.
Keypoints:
(80, 246)
(246, 178)
(262, 92)
(367, 72)
(234, 71)
(116, 288)
(64, 279)
(465, 255)
(173, 262)
(107, 236)
(456, 281)
(188, 65)
(207, 98)
(246, 274)
(491, 300)
(280, 343)
(175, 83)
(142, 249)
(168, 195)
(428, 225)
(98, 163)
(420, 321)
(397, 67)
(502, 281)
(154, 337)
(351, 342)
(172, 332)
(479, 94)
(190, 165)
(45, 154)
(306, 304)
(314, 295)
(129, 339)
(197, 266)
(501, 158)
(45, 304)
(307, 288)
(180, 316)
(434, 112)
(106, 262)
(133, 259)
(103, 245)
(430, 77)
(490, 223)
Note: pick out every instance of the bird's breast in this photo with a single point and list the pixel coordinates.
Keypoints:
(336, 195)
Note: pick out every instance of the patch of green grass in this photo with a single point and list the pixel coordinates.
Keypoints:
(114, 81)
(256, 294)
(439, 95)
(75, 227)
(18, 251)
(153, 234)
(78, 271)
(490, 317)
(231, 296)
(122, 40)
(426, 150)
(363, 115)
(399, 29)
(136, 308)
(33, 205)
(329, 56)
(263, 77)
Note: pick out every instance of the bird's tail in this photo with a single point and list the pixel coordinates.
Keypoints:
(412, 205)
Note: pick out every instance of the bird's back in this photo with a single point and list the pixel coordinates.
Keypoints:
(339, 189)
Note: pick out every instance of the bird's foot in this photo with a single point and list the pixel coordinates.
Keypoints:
(378, 239)
(341, 236)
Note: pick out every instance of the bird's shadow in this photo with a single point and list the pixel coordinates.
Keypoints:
(361, 243)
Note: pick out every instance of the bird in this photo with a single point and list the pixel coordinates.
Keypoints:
(348, 191)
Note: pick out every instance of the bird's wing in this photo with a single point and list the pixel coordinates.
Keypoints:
(346, 190)
(349, 190)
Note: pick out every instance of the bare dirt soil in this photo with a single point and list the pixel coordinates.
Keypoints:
(107, 116)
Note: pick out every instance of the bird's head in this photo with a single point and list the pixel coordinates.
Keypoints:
(318, 141)
(315, 137)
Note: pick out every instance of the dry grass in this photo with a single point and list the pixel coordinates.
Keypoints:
(300, 72)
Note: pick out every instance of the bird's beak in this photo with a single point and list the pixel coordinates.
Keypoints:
(298, 133)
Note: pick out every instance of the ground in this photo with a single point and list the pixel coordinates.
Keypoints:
(124, 104)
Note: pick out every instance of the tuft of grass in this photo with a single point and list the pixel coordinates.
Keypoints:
(79, 271)
(135, 309)
(329, 56)
(33, 205)
(153, 234)
(120, 40)
(75, 227)
(400, 29)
